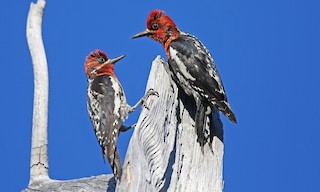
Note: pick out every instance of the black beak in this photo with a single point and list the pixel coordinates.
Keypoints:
(143, 33)
(114, 60)
(109, 61)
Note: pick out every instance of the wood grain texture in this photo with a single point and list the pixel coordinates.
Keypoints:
(100, 183)
(39, 149)
(163, 154)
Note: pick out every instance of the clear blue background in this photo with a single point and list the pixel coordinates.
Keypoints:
(266, 51)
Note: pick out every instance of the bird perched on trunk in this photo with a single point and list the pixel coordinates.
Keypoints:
(107, 105)
(191, 66)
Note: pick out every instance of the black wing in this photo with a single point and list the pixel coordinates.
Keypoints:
(101, 105)
(201, 71)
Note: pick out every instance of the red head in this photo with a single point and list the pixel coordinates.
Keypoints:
(97, 63)
(160, 27)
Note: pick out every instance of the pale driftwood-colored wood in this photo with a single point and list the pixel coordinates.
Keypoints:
(101, 183)
(39, 148)
(39, 178)
(163, 154)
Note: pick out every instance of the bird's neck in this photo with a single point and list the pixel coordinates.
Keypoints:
(172, 36)
(168, 42)
(106, 71)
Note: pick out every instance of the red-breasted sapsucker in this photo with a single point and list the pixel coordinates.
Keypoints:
(191, 66)
(107, 105)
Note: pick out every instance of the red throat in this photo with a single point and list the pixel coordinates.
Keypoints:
(108, 70)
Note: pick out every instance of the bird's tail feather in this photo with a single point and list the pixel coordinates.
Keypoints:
(116, 165)
(231, 116)
(225, 108)
(228, 113)
(202, 121)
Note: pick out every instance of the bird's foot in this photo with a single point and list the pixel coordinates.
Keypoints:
(146, 96)
(125, 128)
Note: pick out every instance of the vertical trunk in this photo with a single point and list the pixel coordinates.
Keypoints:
(163, 153)
(39, 148)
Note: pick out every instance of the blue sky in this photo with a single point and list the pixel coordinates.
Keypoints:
(267, 53)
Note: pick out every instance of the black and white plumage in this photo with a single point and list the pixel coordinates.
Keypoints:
(196, 73)
(191, 67)
(107, 105)
(108, 109)
(194, 70)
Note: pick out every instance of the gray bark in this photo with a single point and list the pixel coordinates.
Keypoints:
(163, 154)
(39, 149)
(39, 178)
(101, 183)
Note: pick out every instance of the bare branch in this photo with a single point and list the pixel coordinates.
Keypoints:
(39, 148)
(163, 154)
(101, 183)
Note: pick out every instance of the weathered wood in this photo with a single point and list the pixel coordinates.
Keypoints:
(39, 178)
(163, 154)
(101, 183)
(39, 148)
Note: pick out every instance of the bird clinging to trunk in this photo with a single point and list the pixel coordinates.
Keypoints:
(107, 105)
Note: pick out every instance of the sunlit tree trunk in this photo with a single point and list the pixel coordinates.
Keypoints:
(163, 153)
(39, 178)
(39, 144)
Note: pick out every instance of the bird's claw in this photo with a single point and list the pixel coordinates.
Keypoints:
(124, 128)
(162, 60)
(149, 93)
(152, 92)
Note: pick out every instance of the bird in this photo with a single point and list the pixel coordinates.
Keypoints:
(191, 66)
(107, 105)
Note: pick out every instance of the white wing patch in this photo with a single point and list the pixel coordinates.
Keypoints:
(120, 102)
(182, 67)
(211, 68)
(117, 92)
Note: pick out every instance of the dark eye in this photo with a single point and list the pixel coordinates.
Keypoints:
(155, 26)
(101, 60)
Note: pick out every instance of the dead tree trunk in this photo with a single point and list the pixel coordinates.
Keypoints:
(39, 148)
(39, 178)
(163, 154)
